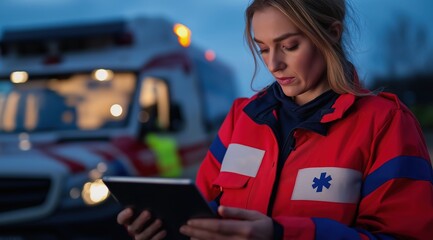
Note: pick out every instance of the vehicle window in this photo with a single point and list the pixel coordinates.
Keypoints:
(155, 104)
(85, 102)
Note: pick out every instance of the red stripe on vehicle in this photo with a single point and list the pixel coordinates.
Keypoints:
(73, 166)
(108, 156)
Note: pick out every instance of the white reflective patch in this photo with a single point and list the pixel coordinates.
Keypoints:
(242, 159)
(328, 184)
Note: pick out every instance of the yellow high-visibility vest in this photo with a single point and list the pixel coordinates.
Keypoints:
(167, 160)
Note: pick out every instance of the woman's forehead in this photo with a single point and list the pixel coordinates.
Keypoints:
(271, 23)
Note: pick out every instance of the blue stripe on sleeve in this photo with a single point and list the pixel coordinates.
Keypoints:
(218, 149)
(415, 168)
(333, 230)
(327, 229)
(214, 205)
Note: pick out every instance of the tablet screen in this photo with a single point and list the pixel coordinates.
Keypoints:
(172, 200)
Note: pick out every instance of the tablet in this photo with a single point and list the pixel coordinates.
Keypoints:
(172, 200)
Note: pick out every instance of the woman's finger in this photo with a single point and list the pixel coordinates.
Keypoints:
(239, 213)
(151, 231)
(197, 233)
(139, 223)
(160, 235)
(124, 217)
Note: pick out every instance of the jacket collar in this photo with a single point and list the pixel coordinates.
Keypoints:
(341, 105)
(262, 105)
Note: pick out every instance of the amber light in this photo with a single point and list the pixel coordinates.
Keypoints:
(183, 33)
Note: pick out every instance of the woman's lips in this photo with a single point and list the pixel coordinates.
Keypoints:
(285, 80)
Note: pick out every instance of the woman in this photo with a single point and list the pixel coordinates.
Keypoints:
(312, 156)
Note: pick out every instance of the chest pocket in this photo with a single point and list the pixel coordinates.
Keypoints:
(234, 187)
(239, 168)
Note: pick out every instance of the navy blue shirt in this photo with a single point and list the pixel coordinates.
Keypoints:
(291, 115)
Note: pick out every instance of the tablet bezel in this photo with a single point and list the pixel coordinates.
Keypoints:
(173, 200)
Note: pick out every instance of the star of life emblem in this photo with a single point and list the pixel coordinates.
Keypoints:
(323, 181)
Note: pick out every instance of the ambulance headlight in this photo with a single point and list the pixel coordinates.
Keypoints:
(19, 77)
(94, 192)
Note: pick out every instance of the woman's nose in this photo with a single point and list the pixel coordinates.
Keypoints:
(276, 61)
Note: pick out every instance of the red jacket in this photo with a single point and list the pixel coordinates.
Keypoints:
(363, 170)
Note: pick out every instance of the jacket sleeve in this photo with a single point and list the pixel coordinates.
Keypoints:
(397, 193)
(211, 165)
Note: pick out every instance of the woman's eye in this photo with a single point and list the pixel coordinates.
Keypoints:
(264, 50)
(292, 48)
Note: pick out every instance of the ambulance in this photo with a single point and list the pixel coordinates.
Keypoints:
(80, 101)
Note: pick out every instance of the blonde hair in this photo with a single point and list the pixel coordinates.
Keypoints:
(314, 18)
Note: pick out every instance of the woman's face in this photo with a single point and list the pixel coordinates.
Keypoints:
(291, 57)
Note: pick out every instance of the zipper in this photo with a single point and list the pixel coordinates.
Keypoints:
(282, 156)
(283, 153)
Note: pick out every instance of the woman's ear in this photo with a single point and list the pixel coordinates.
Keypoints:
(335, 31)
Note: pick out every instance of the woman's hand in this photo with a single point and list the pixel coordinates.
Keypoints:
(142, 227)
(237, 224)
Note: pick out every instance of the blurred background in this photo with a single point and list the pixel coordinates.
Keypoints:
(390, 42)
(391, 39)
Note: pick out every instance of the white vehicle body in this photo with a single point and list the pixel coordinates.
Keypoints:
(76, 104)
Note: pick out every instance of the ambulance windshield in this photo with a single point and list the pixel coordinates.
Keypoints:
(86, 102)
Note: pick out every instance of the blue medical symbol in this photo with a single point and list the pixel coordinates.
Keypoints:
(321, 182)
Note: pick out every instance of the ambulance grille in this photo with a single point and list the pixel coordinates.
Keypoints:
(22, 193)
